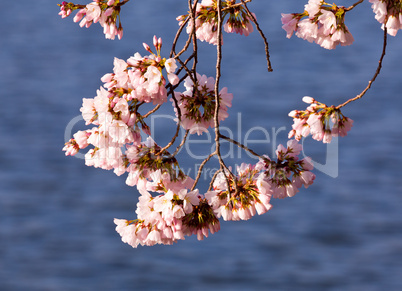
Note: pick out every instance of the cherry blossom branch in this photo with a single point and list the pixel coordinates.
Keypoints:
(217, 101)
(377, 72)
(240, 145)
(211, 184)
(152, 168)
(176, 38)
(152, 111)
(122, 3)
(200, 170)
(173, 138)
(195, 46)
(262, 35)
(181, 144)
(194, 56)
(353, 6)
(235, 5)
(184, 66)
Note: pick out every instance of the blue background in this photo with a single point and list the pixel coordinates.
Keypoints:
(56, 214)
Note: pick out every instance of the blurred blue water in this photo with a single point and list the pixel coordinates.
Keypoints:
(56, 214)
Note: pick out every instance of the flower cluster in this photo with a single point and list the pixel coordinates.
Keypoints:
(178, 212)
(239, 20)
(324, 24)
(116, 137)
(169, 206)
(389, 11)
(147, 166)
(106, 12)
(206, 20)
(140, 78)
(248, 193)
(287, 174)
(167, 218)
(319, 120)
(197, 104)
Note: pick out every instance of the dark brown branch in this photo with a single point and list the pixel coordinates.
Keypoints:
(200, 170)
(353, 6)
(176, 38)
(377, 72)
(122, 3)
(152, 111)
(181, 144)
(184, 64)
(172, 140)
(222, 164)
(195, 46)
(235, 5)
(262, 35)
(213, 179)
(240, 145)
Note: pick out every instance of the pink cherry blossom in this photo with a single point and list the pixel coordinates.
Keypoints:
(313, 7)
(170, 65)
(197, 110)
(319, 120)
(107, 16)
(93, 12)
(81, 138)
(385, 9)
(239, 22)
(323, 25)
(252, 196)
(289, 22)
(64, 10)
(288, 173)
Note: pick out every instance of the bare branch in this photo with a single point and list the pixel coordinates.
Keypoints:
(261, 33)
(152, 111)
(235, 5)
(354, 5)
(217, 101)
(240, 145)
(200, 170)
(181, 144)
(213, 179)
(176, 38)
(377, 72)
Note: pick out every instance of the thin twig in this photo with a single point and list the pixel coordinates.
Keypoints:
(172, 140)
(195, 46)
(262, 35)
(183, 65)
(377, 72)
(213, 179)
(176, 38)
(152, 111)
(200, 170)
(122, 3)
(240, 145)
(176, 104)
(217, 101)
(181, 144)
(354, 5)
(235, 5)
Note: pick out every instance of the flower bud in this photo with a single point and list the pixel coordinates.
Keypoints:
(147, 48)
(293, 113)
(308, 100)
(155, 40)
(120, 32)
